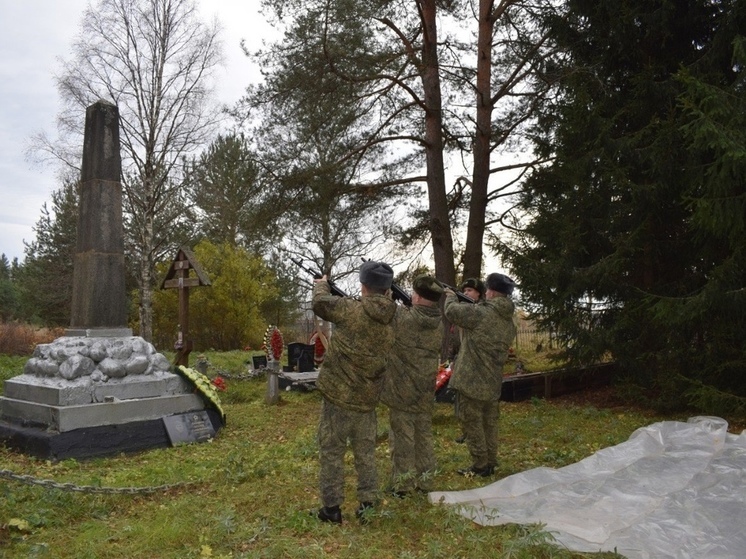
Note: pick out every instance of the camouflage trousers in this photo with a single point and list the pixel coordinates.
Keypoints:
(337, 427)
(479, 419)
(412, 452)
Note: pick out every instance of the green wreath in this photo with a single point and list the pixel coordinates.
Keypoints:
(204, 386)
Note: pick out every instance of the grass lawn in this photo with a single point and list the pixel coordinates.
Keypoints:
(251, 489)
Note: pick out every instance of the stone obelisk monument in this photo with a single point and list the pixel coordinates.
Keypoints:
(100, 390)
(99, 303)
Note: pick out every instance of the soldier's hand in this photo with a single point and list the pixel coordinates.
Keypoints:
(322, 278)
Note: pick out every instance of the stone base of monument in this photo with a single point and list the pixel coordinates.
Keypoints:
(105, 440)
(92, 414)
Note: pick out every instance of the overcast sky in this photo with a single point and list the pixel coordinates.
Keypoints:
(34, 34)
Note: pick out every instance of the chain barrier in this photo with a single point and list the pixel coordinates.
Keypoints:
(91, 489)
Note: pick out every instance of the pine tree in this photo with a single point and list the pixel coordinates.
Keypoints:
(9, 293)
(46, 277)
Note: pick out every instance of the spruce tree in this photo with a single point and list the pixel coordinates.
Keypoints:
(632, 244)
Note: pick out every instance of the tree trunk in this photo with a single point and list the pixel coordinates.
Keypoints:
(146, 304)
(146, 280)
(440, 227)
(481, 170)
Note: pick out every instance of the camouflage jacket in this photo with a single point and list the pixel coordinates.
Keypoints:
(487, 330)
(352, 373)
(409, 383)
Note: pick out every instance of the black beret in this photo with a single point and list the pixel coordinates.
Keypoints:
(376, 274)
(501, 283)
(427, 287)
(474, 284)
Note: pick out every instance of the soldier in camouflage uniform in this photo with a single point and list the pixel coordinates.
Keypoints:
(350, 381)
(487, 330)
(409, 386)
(474, 289)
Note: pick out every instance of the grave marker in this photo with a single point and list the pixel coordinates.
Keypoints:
(177, 277)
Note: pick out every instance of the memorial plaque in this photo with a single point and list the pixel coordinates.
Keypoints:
(300, 357)
(259, 362)
(192, 427)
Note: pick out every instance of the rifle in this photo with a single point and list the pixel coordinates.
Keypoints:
(461, 296)
(318, 275)
(397, 293)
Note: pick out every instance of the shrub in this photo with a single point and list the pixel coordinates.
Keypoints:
(21, 339)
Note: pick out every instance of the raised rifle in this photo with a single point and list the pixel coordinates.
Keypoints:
(460, 295)
(397, 293)
(318, 275)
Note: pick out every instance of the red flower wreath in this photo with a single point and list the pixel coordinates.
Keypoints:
(319, 347)
(273, 343)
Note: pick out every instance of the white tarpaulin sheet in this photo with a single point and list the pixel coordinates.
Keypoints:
(673, 489)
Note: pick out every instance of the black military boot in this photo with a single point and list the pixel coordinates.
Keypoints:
(330, 514)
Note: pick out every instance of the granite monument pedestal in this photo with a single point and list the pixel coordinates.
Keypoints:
(81, 397)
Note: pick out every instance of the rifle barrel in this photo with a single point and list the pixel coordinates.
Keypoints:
(459, 294)
(398, 293)
(318, 275)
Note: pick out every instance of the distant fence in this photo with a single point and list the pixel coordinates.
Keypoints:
(533, 338)
(304, 328)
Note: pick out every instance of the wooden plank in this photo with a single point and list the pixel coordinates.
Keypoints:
(181, 282)
(182, 264)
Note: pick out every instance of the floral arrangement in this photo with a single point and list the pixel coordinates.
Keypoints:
(273, 343)
(219, 383)
(205, 387)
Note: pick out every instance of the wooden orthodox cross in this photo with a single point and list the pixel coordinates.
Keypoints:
(178, 278)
